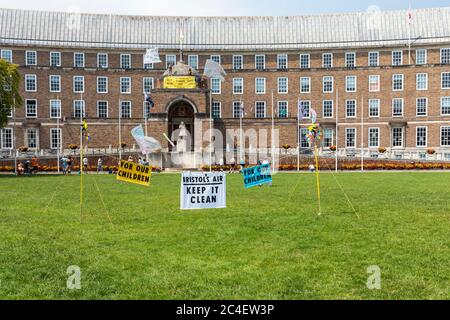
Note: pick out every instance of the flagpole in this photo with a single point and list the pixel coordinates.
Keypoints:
(409, 33)
(362, 133)
(210, 129)
(241, 113)
(337, 127)
(120, 132)
(60, 143)
(14, 136)
(298, 134)
(81, 155)
(272, 136)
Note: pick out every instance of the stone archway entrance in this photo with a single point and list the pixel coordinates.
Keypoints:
(181, 111)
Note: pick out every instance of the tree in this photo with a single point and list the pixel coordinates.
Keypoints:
(9, 90)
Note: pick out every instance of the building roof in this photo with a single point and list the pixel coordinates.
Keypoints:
(373, 28)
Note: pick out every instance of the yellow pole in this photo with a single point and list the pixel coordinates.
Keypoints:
(317, 178)
(81, 158)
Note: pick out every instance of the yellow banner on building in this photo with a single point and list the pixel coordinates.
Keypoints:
(187, 82)
(134, 173)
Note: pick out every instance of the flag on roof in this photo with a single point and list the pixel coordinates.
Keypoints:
(214, 70)
(151, 56)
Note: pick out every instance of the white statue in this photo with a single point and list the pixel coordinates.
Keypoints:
(182, 140)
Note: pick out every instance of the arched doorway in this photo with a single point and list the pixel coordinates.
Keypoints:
(181, 111)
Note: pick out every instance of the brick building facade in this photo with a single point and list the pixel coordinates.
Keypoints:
(380, 93)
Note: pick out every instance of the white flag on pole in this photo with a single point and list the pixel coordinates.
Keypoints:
(214, 70)
(146, 144)
(151, 56)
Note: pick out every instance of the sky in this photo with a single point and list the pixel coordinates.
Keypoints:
(219, 7)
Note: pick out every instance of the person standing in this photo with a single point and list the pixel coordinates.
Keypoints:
(69, 165)
(85, 165)
(232, 165)
(64, 164)
(99, 165)
(130, 159)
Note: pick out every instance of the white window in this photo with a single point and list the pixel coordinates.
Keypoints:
(125, 85)
(238, 62)
(445, 56)
(282, 61)
(397, 58)
(238, 107)
(374, 83)
(397, 107)
(421, 136)
(55, 59)
(283, 85)
(350, 137)
(327, 60)
(327, 106)
(79, 109)
(422, 81)
(125, 109)
(260, 109)
(78, 60)
(374, 137)
(327, 137)
(305, 61)
(55, 83)
(374, 59)
(238, 85)
(31, 58)
(6, 55)
(445, 80)
(283, 109)
(193, 61)
(350, 59)
(260, 62)
(397, 82)
(397, 137)
(350, 108)
(216, 110)
(171, 60)
(374, 108)
(445, 136)
(125, 61)
(445, 106)
(260, 85)
(350, 83)
(4, 108)
(30, 83)
(421, 107)
(215, 58)
(31, 108)
(32, 138)
(148, 66)
(421, 56)
(55, 138)
(306, 107)
(328, 86)
(305, 85)
(102, 84)
(78, 84)
(216, 86)
(6, 138)
(102, 60)
(55, 109)
(147, 83)
(102, 109)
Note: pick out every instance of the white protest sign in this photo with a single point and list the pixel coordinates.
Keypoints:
(203, 190)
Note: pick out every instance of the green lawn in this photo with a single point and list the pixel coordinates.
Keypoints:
(268, 244)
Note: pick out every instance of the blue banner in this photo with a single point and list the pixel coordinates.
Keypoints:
(257, 176)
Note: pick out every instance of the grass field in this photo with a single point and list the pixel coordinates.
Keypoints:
(268, 244)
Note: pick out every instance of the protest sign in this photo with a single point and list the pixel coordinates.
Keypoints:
(203, 190)
(134, 173)
(257, 176)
